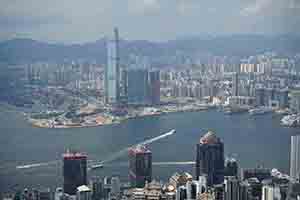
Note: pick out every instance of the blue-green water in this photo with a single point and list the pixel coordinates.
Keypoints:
(253, 140)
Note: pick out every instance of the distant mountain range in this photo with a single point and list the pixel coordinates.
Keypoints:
(28, 50)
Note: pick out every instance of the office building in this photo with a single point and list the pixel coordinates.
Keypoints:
(202, 184)
(231, 167)
(295, 101)
(59, 193)
(137, 86)
(192, 190)
(154, 87)
(245, 191)
(235, 189)
(115, 188)
(36, 194)
(218, 192)
(123, 84)
(271, 97)
(255, 188)
(140, 166)
(295, 157)
(181, 193)
(293, 191)
(259, 173)
(281, 99)
(271, 192)
(96, 186)
(210, 159)
(231, 191)
(83, 193)
(45, 194)
(112, 70)
(74, 171)
(235, 84)
(260, 96)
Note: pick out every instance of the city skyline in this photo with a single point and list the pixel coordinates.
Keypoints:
(222, 77)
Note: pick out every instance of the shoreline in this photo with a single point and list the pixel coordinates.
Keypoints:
(42, 123)
(102, 119)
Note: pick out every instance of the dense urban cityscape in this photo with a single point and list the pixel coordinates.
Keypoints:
(82, 94)
(149, 100)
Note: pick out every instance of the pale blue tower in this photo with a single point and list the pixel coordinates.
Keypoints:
(112, 70)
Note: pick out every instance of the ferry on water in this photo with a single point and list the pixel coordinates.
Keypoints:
(98, 166)
(290, 120)
(260, 111)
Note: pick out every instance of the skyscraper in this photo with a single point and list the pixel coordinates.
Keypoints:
(74, 171)
(232, 188)
(295, 100)
(235, 84)
(210, 159)
(115, 188)
(295, 157)
(140, 166)
(192, 190)
(231, 167)
(245, 192)
(271, 192)
(83, 192)
(97, 188)
(154, 84)
(137, 86)
(112, 70)
(181, 193)
(259, 173)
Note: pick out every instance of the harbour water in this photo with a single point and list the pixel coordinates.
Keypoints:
(252, 140)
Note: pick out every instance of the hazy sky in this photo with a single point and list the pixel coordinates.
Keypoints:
(88, 20)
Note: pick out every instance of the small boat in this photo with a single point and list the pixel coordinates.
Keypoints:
(96, 166)
(290, 120)
(259, 111)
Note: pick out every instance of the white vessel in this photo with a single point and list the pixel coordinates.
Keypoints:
(260, 111)
(290, 120)
(96, 166)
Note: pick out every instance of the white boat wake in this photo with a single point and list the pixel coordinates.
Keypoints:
(37, 164)
(113, 157)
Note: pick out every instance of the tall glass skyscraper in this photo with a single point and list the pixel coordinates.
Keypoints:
(295, 157)
(140, 166)
(137, 86)
(112, 70)
(154, 87)
(235, 84)
(210, 159)
(74, 171)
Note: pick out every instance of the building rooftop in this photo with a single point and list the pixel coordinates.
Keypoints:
(74, 155)
(139, 149)
(83, 188)
(209, 138)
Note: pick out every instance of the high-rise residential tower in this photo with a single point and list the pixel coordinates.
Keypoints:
(295, 157)
(112, 70)
(210, 159)
(140, 166)
(74, 171)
